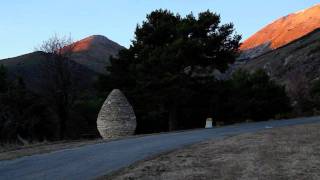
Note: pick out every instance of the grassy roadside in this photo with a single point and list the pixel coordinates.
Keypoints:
(282, 153)
(12, 151)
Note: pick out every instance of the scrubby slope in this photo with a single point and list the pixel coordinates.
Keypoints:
(288, 64)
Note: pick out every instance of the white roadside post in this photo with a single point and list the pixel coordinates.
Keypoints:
(208, 123)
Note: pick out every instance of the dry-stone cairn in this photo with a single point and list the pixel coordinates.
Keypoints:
(116, 117)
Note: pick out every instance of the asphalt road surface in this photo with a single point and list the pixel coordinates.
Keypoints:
(91, 161)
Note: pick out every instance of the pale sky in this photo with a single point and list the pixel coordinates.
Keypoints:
(26, 23)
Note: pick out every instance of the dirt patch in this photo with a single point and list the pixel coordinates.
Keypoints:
(282, 153)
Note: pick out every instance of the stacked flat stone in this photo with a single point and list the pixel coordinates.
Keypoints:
(116, 117)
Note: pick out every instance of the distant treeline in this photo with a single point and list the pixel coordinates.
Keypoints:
(34, 117)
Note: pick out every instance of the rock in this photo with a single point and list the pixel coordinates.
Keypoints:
(116, 117)
(208, 123)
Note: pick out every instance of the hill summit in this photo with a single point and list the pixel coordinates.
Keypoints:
(94, 52)
(281, 32)
(89, 58)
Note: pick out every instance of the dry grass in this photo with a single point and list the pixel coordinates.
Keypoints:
(12, 151)
(284, 153)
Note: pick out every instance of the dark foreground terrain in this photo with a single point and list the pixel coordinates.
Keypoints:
(92, 161)
(281, 153)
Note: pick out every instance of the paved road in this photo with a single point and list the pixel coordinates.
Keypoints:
(95, 160)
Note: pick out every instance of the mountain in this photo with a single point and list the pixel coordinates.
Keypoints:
(32, 66)
(90, 57)
(93, 52)
(295, 65)
(281, 32)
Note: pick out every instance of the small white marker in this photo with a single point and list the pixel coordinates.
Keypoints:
(209, 123)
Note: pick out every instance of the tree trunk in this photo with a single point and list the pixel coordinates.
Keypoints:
(63, 115)
(173, 122)
(62, 129)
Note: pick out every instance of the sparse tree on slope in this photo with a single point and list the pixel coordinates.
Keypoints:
(61, 86)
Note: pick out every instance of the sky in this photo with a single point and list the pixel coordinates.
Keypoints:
(25, 24)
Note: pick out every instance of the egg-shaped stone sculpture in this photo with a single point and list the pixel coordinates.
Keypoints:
(116, 117)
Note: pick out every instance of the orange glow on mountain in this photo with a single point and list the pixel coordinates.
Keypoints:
(83, 45)
(285, 29)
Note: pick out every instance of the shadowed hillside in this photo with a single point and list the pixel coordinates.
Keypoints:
(90, 57)
(31, 68)
(297, 66)
(299, 58)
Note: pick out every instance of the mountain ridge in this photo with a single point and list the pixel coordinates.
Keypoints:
(31, 67)
(281, 32)
(90, 57)
(295, 65)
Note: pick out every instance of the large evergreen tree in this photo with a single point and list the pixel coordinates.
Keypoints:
(169, 60)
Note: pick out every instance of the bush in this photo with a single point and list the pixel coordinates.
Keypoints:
(24, 114)
(252, 96)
